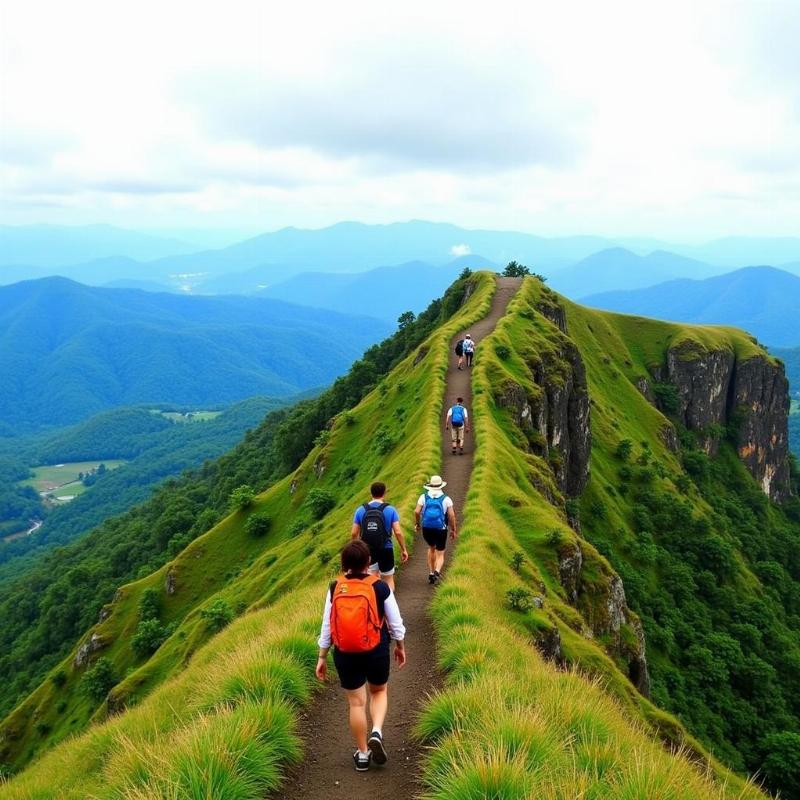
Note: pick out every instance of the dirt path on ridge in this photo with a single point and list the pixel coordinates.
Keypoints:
(327, 771)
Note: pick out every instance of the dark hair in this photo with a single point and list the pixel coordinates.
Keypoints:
(459, 399)
(355, 556)
(378, 489)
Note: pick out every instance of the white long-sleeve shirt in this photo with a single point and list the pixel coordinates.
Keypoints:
(391, 613)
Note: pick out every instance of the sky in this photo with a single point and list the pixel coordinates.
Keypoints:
(676, 120)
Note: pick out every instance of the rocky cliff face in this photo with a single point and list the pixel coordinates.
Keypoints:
(603, 605)
(716, 389)
(557, 411)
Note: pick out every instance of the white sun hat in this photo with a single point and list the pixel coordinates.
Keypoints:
(436, 482)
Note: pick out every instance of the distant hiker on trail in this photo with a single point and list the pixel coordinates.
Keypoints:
(360, 617)
(458, 422)
(469, 349)
(375, 522)
(460, 353)
(434, 514)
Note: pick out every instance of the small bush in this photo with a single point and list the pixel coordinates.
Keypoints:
(324, 556)
(383, 441)
(217, 615)
(296, 528)
(624, 450)
(320, 501)
(98, 680)
(242, 497)
(515, 270)
(517, 560)
(553, 538)
(150, 635)
(59, 678)
(519, 599)
(667, 398)
(503, 352)
(349, 419)
(258, 525)
(322, 438)
(148, 604)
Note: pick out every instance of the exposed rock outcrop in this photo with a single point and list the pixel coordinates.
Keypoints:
(604, 607)
(760, 406)
(169, 582)
(548, 643)
(716, 389)
(94, 643)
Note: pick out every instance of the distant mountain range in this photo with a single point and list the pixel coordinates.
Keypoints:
(763, 300)
(100, 255)
(53, 246)
(68, 351)
(618, 268)
(385, 292)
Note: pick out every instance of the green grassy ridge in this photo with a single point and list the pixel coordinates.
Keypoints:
(265, 577)
(707, 560)
(508, 723)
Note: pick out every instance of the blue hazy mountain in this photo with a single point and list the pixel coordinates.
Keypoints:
(68, 351)
(385, 292)
(618, 268)
(344, 247)
(763, 300)
(51, 246)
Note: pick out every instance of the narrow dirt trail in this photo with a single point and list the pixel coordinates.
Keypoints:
(328, 769)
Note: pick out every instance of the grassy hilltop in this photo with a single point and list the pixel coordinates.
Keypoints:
(540, 661)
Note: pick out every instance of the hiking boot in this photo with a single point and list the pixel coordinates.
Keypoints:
(431, 579)
(461, 451)
(454, 451)
(362, 760)
(437, 577)
(376, 748)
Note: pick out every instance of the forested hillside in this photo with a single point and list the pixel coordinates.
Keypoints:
(48, 604)
(69, 351)
(635, 512)
(154, 446)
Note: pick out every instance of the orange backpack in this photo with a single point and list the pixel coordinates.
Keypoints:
(355, 624)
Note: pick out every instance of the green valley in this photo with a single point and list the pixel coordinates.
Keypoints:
(626, 578)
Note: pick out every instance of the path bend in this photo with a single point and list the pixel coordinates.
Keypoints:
(327, 771)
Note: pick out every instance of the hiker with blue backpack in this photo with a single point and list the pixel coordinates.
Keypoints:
(458, 422)
(434, 515)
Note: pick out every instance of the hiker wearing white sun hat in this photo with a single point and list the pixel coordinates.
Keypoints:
(469, 348)
(434, 514)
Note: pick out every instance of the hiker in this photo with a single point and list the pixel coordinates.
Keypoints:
(460, 353)
(469, 349)
(361, 616)
(375, 522)
(458, 422)
(434, 514)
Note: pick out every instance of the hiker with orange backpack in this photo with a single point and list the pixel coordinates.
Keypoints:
(360, 619)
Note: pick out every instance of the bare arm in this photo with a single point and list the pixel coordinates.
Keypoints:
(401, 540)
(355, 532)
(451, 517)
(417, 517)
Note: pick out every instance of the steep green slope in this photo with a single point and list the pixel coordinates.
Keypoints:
(217, 711)
(718, 614)
(80, 579)
(309, 512)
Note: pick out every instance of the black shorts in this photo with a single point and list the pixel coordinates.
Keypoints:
(384, 558)
(356, 669)
(435, 537)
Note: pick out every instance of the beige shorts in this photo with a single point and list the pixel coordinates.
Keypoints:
(457, 434)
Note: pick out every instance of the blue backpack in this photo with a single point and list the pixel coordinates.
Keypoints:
(433, 513)
(457, 416)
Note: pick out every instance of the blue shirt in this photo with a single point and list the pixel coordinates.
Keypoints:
(390, 516)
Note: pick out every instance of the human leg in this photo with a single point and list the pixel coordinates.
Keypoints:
(378, 705)
(357, 701)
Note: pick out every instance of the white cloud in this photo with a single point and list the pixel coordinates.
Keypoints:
(672, 119)
(460, 250)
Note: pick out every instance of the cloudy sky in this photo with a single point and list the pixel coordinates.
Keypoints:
(679, 120)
